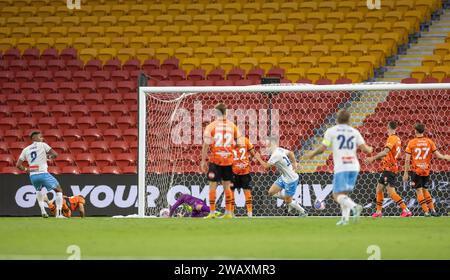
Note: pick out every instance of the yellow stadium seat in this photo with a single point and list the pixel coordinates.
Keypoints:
(270, 7)
(164, 53)
(296, 18)
(315, 74)
(248, 63)
(229, 63)
(327, 6)
(402, 26)
(356, 74)
(145, 53)
(62, 11)
(176, 41)
(304, 28)
(37, 3)
(176, 9)
(228, 30)
(101, 42)
(292, 40)
(358, 50)
(393, 16)
(119, 43)
(114, 31)
(10, 11)
(134, 31)
(82, 42)
(45, 43)
(334, 73)
(119, 10)
(76, 31)
(7, 43)
(254, 40)
(239, 19)
(446, 60)
(267, 63)
(106, 54)
(182, 20)
(142, 9)
(170, 30)
(374, 16)
(107, 21)
(215, 41)
(94, 31)
(260, 51)
(319, 50)
(324, 28)
(426, 7)
(101, 10)
(273, 40)
(343, 28)
(289, 7)
(38, 32)
(346, 6)
(221, 19)
(145, 20)
(251, 8)
(157, 42)
(125, 54)
(414, 18)
(382, 27)
(88, 21)
(315, 17)
(188, 64)
(280, 51)
(59, 31)
(331, 39)
(312, 39)
(327, 61)
(370, 38)
(4, 32)
(46, 11)
(32, 21)
(308, 7)
(62, 43)
(182, 53)
(232, 8)
(347, 61)
(351, 39)
(361, 6)
(369, 61)
(28, 11)
(431, 60)
(354, 17)
(246, 29)
(300, 50)
(257, 19)
(150, 31)
(242, 51)
(14, 21)
(440, 72)
(234, 40)
(209, 63)
(382, 49)
(19, 32)
(362, 27)
(87, 54)
(307, 62)
(163, 20)
(52, 21)
(213, 8)
(266, 29)
(287, 62)
(335, 17)
(195, 41)
(194, 9)
(126, 20)
(25, 43)
(404, 5)
(201, 19)
(294, 74)
(391, 38)
(138, 42)
(285, 29)
(203, 52)
(388, 6)
(221, 52)
(70, 21)
(277, 18)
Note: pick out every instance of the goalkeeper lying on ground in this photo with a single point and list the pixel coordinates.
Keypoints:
(193, 207)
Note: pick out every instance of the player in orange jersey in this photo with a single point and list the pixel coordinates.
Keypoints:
(70, 205)
(419, 151)
(388, 180)
(241, 170)
(220, 138)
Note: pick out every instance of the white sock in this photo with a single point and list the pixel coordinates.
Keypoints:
(346, 205)
(59, 202)
(40, 200)
(296, 206)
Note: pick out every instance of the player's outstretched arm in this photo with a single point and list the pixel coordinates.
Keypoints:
(378, 156)
(317, 151)
(20, 166)
(366, 148)
(293, 160)
(407, 163)
(52, 154)
(441, 156)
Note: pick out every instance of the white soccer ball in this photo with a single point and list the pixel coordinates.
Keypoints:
(164, 213)
(319, 204)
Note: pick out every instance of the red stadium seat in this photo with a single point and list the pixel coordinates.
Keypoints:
(6, 76)
(27, 122)
(85, 122)
(56, 65)
(66, 122)
(81, 76)
(92, 134)
(78, 111)
(13, 135)
(16, 148)
(3, 147)
(95, 99)
(197, 75)
(130, 98)
(118, 110)
(13, 99)
(5, 111)
(43, 76)
(98, 147)
(120, 75)
(184, 83)
(24, 76)
(112, 98)
(236, 74)
(111, 170)
(105, 122)
(54, 170)
(170, 64)
(36, 65)
(4, 65)
(68, 87)
(100, 76)
(87, 87)
(343, 81)
(119, 147)
(216, 74)
(10, 170)
(104, 159)
(112, 65)
(35, 99)
(125, 159)
(71, 135)
(126, 86)
(11, 54)
(30, 54)
(75, 65)
(62, 76)
(176, 75)
(132, 65)
(52, 135)
(129, 170)
(6, 160)
(49, 54)
(78, 147)
(39, 111)
(113, 134)
(70, 170)
(20, 65)
(255, 74)
(20, 111)
(60, 147)
(48, 88)
(150, 64)
(106, 87)
(90, 170)
(84, 159)
(276, 73)
(46, 123)
(134, 147)
(68, 54)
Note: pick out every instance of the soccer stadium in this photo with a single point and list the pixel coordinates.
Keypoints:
(224, 130)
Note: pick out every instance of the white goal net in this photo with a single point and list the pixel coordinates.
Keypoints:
(172, 120)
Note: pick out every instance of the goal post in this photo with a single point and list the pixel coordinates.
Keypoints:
(172, 119)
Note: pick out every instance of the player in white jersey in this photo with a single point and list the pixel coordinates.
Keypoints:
(37, 155)
(344, 140)
(284, 161)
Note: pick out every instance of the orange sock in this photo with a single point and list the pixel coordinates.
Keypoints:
(248, 200)
(232, 203)
(422, 202)
(380, 198)
(428, 199)
(212, 200)
(398, 200)
(228, 200)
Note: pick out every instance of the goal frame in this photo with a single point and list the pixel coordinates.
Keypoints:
(270, 88)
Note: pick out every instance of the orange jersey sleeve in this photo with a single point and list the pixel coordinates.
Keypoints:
(241, 161)
(75, 202)
(421, 150)
(393, 143)
(221, 137)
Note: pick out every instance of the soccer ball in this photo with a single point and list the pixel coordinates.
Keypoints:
(164, 213)
(319, 204)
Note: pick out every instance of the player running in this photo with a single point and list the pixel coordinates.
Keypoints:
(345, 140)
(70, 205)
(419, 151)
(241, 171)
(36, 155)
(220, 138)
(284, 161)
(387, 180)
(193, 207)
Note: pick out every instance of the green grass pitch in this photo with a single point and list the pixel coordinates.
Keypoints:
(242, 238)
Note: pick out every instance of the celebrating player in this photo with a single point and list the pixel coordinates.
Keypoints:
(284, 161)
(194, 207)
(345, 140)
(387, 180)
(420, 150)
(241, 170)
(220, 137)
(70, 205)
(36, 155)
